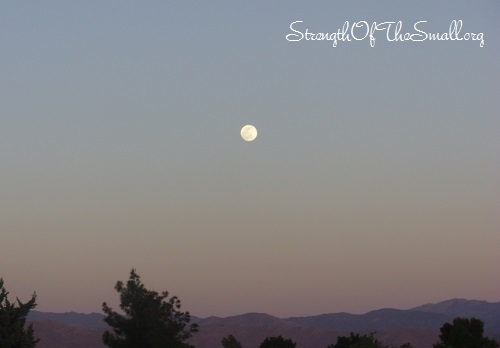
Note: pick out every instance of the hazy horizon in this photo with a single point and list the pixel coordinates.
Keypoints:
(280, 317)
(373, 181)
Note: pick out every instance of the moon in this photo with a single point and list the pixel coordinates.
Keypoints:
(249, 132)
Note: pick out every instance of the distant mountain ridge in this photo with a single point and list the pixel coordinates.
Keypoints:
(488, 312)
(419, 326)
(90, 321)
(375, 320)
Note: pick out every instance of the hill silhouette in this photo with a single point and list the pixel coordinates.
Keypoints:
(419, 326)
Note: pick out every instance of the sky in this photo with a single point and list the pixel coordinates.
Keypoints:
(373, 181)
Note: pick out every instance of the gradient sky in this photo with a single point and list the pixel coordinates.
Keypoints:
(373, 181)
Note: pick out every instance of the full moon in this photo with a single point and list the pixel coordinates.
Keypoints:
(249, 132)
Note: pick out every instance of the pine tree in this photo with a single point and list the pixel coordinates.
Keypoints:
(13, 333)
(151, 320)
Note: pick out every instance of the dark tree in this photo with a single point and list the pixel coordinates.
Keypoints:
(230, 342)
(406, 345)
(345, 342)
(277, 342)
(464, 333)
(13, 333)
(356, 341)
(150, 321)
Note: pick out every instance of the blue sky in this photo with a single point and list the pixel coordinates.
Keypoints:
(373, 181)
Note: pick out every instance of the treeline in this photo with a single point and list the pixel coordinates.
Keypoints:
(153, 320)
(352, 341)
(462, 333)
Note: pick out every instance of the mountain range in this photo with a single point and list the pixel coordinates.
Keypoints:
(419, 326)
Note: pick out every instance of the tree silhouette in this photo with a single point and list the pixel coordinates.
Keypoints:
(230, 342)
(277, 342)
(345, 342)
(357, 341)
(13, 333)
(150, 321)
(464, 333)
